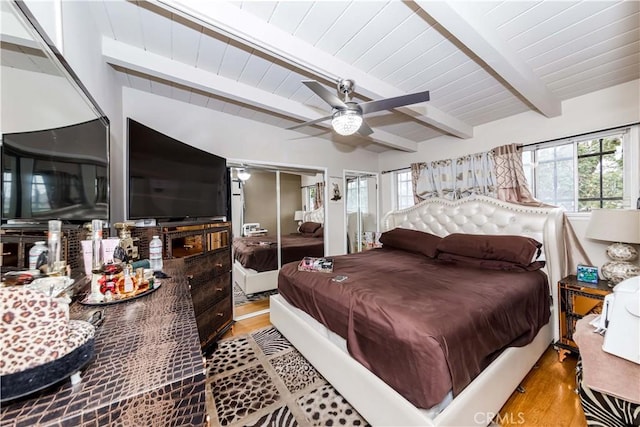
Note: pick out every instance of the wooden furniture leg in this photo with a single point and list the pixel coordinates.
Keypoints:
(562, 354)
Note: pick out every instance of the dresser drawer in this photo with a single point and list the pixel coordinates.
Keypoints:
(208, 291)
(215, 319)
(213, 263)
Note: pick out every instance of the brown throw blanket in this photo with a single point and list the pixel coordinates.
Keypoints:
(422, 326)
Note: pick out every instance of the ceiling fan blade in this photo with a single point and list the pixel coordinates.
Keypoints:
(310, 122)
(365, 130)
(396, 101)
(328, 97)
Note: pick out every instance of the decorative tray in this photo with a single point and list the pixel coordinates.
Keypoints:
(54, 286)
(85, 299)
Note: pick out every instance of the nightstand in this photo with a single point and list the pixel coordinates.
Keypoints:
(577, 299)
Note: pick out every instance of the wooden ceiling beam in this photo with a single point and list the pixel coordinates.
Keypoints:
(139, 60)
(484, 42)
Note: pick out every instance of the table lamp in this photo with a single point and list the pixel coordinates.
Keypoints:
(621, 226)
(298, 216)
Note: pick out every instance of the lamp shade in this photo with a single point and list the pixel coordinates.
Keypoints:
(614, 225)
(346, 122)
(298, 215)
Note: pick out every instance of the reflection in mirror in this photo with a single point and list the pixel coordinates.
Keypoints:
(267, 236)
(361, 206)
(55, 140)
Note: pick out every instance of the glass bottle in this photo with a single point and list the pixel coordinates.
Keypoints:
(96, 244)
(53, 242)
(34, 253)
(96, 259)
(155, 254)
(127, 283)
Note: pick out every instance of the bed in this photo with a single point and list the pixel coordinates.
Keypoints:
(377, 400)
(255, 265)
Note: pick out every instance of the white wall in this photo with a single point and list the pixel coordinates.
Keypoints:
(35, 101)
(237, 138)
(83, 51)
(615, 106)
(47, 13)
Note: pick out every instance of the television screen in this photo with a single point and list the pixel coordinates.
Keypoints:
(171, 180)
(59, 173)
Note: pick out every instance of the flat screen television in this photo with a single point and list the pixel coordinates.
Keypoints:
(170, 180)
(59, 173)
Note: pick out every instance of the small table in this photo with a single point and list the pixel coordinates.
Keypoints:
(577, 299)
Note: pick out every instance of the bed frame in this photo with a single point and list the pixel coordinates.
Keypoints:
(251, 281)
(477, 404)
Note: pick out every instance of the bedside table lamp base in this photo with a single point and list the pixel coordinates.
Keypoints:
(617, 225)
(620, 267)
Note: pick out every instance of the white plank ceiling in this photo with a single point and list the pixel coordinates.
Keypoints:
(480, 60)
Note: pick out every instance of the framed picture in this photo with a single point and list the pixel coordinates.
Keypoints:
(335, 189)
(587, 274)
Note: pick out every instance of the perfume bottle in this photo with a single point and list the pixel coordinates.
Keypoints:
(96, 244)
(53, 243)
(127, 283)
(96, 260)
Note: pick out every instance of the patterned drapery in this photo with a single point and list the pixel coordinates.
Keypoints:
(454, 178)
(319, 195)
(511, 184)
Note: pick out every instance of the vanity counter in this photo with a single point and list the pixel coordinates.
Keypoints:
(147, 368)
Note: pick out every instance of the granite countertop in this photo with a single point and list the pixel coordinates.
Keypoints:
(147, 367)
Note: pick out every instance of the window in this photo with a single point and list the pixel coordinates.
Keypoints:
(39, 198)
(357, 189)
(404, 190)
(309, 197)
(6, 191)
(579, 174)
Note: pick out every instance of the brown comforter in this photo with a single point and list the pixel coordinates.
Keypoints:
(264, 257)
(423, 326)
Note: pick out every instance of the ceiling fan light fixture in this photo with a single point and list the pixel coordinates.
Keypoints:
(243, 175)
(346, 122)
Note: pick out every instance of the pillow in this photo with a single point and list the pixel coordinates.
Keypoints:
(490, 264)
(309, 227)
(318, 233)
(517, 249)
(412, 241)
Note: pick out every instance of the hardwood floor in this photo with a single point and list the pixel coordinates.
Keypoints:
(549, 398)
(251, 307)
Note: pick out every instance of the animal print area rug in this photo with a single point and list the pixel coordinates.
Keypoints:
(240, 297)
(260, 379)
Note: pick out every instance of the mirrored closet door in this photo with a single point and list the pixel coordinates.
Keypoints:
(361, 210)
(268, 205)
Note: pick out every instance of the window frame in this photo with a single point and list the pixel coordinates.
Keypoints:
(630, 137)
(396, 189)
(362, 190)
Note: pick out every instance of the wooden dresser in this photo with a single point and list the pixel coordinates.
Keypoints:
(205, 252)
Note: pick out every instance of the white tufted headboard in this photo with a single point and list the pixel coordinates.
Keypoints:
(316, 215)
(486, 215)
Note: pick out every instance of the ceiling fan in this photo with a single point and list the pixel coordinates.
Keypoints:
(346, 115)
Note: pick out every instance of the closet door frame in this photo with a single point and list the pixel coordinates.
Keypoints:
(348, 173)
(286, 168)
